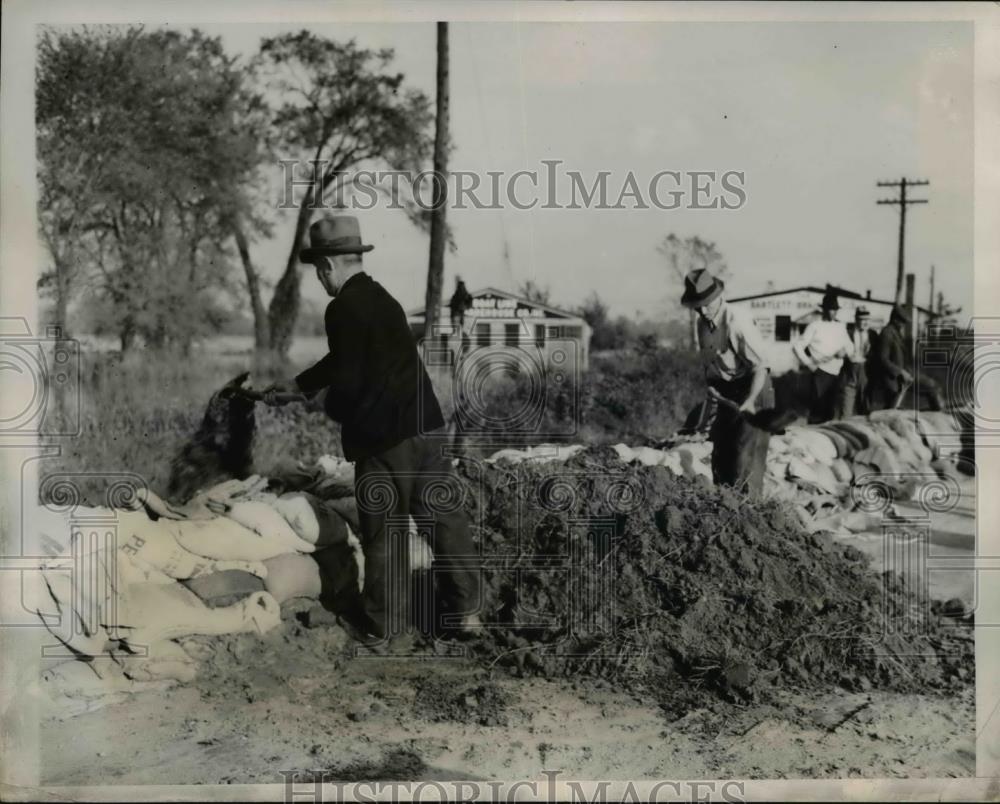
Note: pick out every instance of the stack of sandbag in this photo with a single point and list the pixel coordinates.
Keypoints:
(115, 607)
(815, 466)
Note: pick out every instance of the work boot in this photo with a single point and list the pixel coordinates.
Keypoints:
(469, 627)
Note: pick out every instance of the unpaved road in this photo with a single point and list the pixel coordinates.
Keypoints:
(301, 702)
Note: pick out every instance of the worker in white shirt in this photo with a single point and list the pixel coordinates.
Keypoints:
(822, 349)
(852, 399)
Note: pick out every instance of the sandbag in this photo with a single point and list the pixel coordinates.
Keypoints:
(224, 588)
(166, 550)
(293, 575)
(262, 518)
(224, 538)
(152, 613)
(164, 660)
(297, 510)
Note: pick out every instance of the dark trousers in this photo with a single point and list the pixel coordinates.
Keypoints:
(824, 396)
(414, 479)
(739, 450)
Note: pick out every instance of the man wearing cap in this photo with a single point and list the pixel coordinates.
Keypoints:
(822, 349)
(737, 372)
(378, 389)
(887, 375)
(853, 380)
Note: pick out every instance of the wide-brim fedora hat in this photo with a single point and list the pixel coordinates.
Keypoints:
(830, 301)
(332, 235)
(701, 288)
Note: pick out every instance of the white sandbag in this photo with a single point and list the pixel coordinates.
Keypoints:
(335, 466)
(226, 539)
(153, 613)
(297, 511)
(672, 461)
(508, 456)
(625, 453)
(180, 549)
(267, 522)
(648, 456)
(878, 460)
(164, 660)
(815, 442)
(842, 471)
(293, 575)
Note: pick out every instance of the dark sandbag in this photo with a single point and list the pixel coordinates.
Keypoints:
(224, 588)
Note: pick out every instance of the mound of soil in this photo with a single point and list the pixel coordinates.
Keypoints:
(600, 568)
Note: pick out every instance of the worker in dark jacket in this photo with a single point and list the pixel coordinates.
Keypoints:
(461, 301)
(889, 378)
(377, 388)
(886, 369)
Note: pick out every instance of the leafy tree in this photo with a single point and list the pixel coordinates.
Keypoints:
(343, 107)
(534, 292)
(147, 156)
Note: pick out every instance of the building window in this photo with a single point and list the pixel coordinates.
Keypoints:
(511, 335)
(540, 336)
(566, 332)
(482, 334)
(782, 327)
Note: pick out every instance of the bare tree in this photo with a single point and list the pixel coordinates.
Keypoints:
(684, 256)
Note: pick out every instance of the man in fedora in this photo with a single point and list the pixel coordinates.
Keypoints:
(887, 375)
(853, 396)
(822, 349)
(378, 389)
(737, 373)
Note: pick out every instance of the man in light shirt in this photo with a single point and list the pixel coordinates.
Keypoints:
(822, 349)
(853, 377)
(737, 376)
(737, 369)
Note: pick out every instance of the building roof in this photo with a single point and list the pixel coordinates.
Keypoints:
(848, 294)
(419, 311)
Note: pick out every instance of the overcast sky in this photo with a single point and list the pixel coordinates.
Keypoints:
(814, 113)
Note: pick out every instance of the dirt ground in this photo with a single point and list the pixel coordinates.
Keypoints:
(303, 702)
(299, 700)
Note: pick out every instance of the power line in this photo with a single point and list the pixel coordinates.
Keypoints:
(902, 202)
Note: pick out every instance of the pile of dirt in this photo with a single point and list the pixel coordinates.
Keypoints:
(600, 568)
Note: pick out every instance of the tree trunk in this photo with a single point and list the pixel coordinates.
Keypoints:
(435, 267)
(62, 297)
(284, 308)
(260, 328)
(126, 334)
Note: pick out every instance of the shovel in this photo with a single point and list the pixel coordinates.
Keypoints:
(901, 394)
(770, 419)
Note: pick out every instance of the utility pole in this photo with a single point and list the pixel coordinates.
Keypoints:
(439, 231)
(902, 202)
(930, 304)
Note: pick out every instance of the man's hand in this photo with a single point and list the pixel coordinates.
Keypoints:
(750, 406)
(905, 377)
(281, 393)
